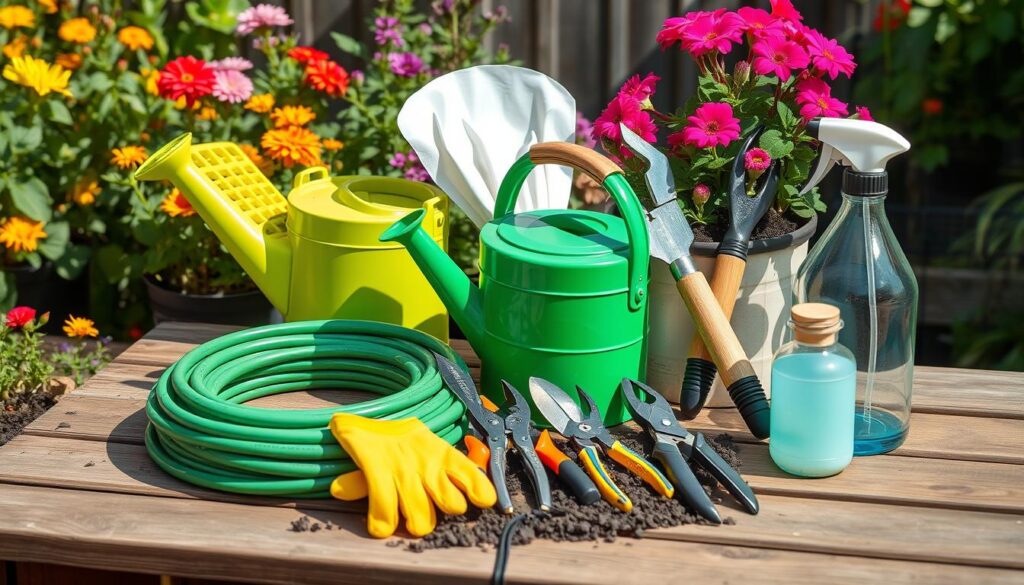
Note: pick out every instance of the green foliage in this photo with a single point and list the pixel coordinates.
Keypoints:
(80, 359)
(23, 365)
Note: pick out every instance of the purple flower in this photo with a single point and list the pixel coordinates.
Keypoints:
(417, 173)
(64, 347)
(230, 64)
(257, 43)
(231, 86)
(584, 131)
(261, 16)
(357, 76)
(405, 64)
(443, 7)
(425, 28)
(387, 30)
(398, 160)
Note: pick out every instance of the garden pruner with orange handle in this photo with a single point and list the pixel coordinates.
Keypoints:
(586, 432)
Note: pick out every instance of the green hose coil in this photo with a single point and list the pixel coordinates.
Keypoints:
(200, 430)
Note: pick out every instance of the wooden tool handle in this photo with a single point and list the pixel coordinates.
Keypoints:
(726, 351)
(572, 155)
(725, 283)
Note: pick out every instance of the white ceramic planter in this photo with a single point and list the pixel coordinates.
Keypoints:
(759, 319)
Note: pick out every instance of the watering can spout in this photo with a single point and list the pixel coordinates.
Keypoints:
(459, 295)
(256, 238)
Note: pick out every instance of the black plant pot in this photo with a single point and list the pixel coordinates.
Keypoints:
(42, 289)
(248, 308)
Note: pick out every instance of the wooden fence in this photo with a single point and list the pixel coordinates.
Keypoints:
(590, 46)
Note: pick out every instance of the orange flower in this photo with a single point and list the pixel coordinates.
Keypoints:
(176, 205)
(328, 77)
(17, 16)
(292, 116)
(85, 192)
(80, 327)
(332, 144)
(135, 37)
(50, 6)
(261, 104)
(20, 234)
(292, 145)
(265, 165)
(207, 113)
(151, 76)
(69, 61)
(16, 48)
(77, 30)
(128, 157)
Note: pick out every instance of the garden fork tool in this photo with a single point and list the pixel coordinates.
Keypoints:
(670, 239)
(510, 424)
(586, 432)
(745, 210)
(675, 447)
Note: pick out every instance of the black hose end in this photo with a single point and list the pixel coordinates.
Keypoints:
(697, 380)
(749, 398)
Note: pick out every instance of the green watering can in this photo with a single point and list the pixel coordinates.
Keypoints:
(563, 293)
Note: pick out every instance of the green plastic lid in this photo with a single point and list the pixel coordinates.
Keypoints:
(557, 251)
(353, 211)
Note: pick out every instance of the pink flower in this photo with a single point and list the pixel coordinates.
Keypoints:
(673, 28)
(772, 55)
(230, 64)
(18, 317)
(828, 56)
(231, 86)
(863, 113)
(714, 31)
(701, 194)
(584, 131)
(405, 64)
(784, 9)
(711, 125)
(756, 159)
(638, 89)
(387, 30)
(816, 99)
(261, 16)
(626, 110)
(760, 24)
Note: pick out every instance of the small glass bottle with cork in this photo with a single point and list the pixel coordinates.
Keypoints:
(814, 385)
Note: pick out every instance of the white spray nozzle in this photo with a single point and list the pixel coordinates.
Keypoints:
(859, 144)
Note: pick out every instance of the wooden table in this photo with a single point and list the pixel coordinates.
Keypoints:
(77, 488)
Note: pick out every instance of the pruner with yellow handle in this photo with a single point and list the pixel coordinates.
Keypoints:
(587, 432)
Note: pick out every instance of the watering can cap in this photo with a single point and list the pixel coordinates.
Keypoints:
(355, 210)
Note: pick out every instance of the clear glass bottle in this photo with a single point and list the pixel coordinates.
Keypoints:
(814, 382)
(858, 266)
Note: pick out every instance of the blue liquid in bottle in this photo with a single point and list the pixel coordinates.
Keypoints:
(814, 389)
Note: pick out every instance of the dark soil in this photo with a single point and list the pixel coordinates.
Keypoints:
(772, 225)
(568, 520)
(20, 410)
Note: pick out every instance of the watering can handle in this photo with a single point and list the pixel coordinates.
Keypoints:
(601, 170)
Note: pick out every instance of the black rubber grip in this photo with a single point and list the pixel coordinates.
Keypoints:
(749, 398)
(578, 482)
(737, 248)
(697, 381)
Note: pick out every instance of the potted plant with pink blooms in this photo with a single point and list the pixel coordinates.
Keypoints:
(779, 83)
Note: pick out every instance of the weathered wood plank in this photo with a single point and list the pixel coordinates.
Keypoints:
(968, 392)
(238, 542)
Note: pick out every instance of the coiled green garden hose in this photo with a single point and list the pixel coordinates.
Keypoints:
(201, 431)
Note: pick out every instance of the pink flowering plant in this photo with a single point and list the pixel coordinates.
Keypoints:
(781, 81)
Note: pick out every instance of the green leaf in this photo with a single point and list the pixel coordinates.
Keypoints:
(348, 44)
(73, 262)
(918, 16)
(31, 198)
(57, 112)
(110, 259)
(56, 241)
(775, 145)
(8, 291)
(717, 163)
(786, 116)
(25, 140)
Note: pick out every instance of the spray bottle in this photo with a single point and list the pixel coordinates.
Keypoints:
(858, 266)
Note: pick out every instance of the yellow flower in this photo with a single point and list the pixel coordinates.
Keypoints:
(85, 192)
(176, 205)
(38, 75)
(70, 61)
(332, 144)
(261, 104)
(49, 5)
(17, 15)
(265, 165)
(292, 116)
(151, 76)
(80, 327)
(16, 48)
(207, 113)
(20, 234)
(292, 145)
(128, 157)
(135, 37)
(77, 30)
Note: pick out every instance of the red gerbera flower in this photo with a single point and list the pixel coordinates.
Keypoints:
(307, 54)
(18, 317)
(328, 77)
(186, 76)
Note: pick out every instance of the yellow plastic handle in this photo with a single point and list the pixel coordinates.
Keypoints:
(642, 468)
(309, 175)
(609, 491)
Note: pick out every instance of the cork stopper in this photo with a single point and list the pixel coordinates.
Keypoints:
(815, 323)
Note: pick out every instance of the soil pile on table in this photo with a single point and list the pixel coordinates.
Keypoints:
(20, 410)
(570, 521)
(772, 225)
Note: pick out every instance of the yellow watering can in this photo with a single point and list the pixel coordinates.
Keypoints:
(316, 254)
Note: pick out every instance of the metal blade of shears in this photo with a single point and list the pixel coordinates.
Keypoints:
(557, 407)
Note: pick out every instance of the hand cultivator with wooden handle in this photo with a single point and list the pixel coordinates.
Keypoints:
(670, 239)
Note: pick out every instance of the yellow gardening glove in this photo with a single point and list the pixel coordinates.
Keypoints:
(405, 466)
